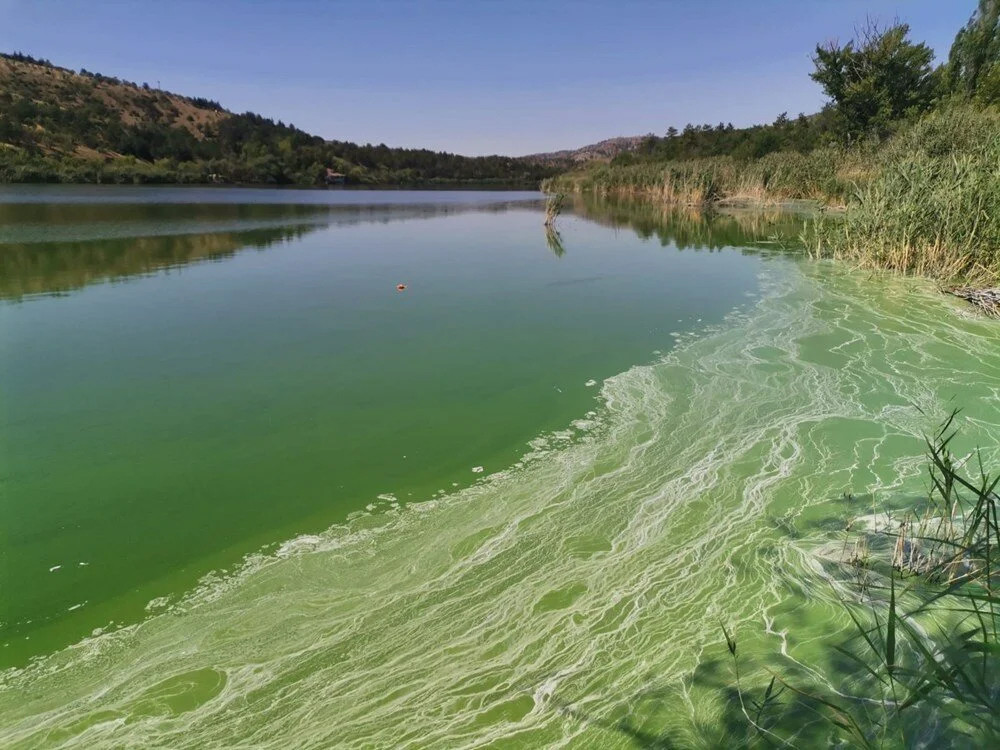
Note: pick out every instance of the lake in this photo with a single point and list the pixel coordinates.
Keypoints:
(256, 494)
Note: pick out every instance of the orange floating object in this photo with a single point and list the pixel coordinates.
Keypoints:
(400, 287)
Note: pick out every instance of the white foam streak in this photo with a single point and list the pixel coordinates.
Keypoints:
(545, 600)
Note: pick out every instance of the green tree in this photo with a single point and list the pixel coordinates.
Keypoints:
(974, 61)
(876, 80)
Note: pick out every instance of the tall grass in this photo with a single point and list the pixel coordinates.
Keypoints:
(554, 207)
(772, 179)
(925, 657)
(926, 201)
(933, 207)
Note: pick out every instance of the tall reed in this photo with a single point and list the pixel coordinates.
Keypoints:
(774, 178)
(553, 207)
(933, 208)
(924, 663)
(926, 201)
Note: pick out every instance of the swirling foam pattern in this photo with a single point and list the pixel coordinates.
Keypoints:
(533, 608)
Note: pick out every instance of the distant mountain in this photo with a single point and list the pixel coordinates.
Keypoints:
(606, 149)
(60, 125)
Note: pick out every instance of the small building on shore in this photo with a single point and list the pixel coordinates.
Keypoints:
(334, 178)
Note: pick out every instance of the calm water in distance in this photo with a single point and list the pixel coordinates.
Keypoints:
(193, 373)
(507, 506)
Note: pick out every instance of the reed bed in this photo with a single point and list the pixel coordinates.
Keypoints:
(927, 201)
(775, 178)
(934, 207)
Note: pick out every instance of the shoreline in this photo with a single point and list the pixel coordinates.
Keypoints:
(984, 297)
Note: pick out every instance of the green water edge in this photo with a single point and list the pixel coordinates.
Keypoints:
(209, 412)
(529, 609)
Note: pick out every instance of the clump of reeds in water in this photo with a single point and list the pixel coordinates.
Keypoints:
(923, 667)
(554, 207)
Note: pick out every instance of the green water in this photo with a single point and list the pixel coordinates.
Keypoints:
(666, 425)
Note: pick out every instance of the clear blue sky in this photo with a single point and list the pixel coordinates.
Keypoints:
(470, 76)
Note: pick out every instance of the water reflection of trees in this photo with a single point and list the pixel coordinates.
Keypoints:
(686, 227)
(48, 248)
(554, 240)
(51, 268)
(56, 248)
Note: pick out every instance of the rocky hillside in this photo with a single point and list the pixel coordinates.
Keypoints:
(603, 150)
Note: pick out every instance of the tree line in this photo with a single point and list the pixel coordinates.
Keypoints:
(144, 135)
(875, 84)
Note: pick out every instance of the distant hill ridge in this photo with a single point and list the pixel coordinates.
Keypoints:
(59, 125)
(609, 148)
(85, 101)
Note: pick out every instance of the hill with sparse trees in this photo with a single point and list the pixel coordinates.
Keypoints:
(60, 125)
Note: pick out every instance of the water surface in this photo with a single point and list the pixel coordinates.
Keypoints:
(189, 381)
(667, 412)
